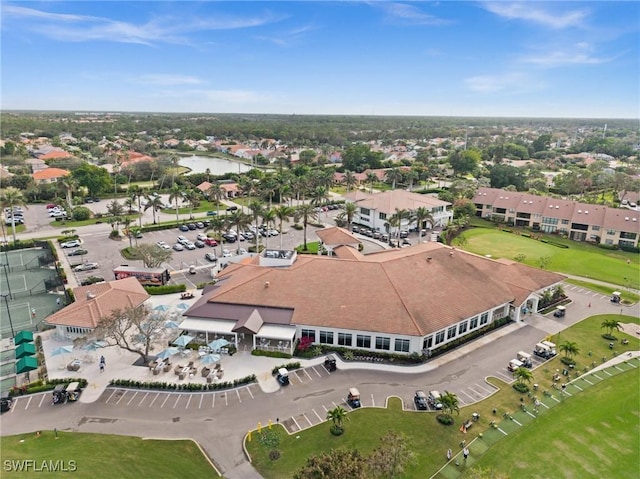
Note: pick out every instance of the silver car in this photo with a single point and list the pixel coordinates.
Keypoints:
(86, 267)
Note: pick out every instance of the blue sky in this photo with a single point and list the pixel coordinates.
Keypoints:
(502, 58)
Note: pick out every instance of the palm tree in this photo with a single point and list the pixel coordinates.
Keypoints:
(410, 176)
(610, 325)
(176, 194)
(394, 175)
(268, 218)
(154, 202)
(218, 224)
(372, 179)
(397, 218)
(256, 208)
(319, 195)
(422, 214)
(349, 180)
(192, 197)
(350, 210)
(305, 212)
(268, 188)
(216, 193)
(337, 416)
(136, 193)
(283, 213)
(570, 349)
(68, 184)
(9, 198)
(129, 203)
(174, 161)
(522, 375)
(240, 220)
(450, 403)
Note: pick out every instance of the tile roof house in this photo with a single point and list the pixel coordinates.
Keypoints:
(95, 302)
(49, 175)
(36, 164)
(374, 210)
(368, 302)
(578, 221)
(55, 154)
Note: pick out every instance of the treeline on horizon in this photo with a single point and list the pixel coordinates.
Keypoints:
(298, 130)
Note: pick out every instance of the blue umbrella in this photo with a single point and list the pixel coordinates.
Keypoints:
(167, 353)
(161, 307)
(171, 325)
(183, 306)
(218, 343)
(183, 340)
(210, 358)
(62, 350)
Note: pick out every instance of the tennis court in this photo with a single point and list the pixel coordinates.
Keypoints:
(29, 284)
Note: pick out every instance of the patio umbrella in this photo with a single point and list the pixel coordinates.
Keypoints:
(62, 350)
(161, 307)
(210, 358)
(171, 325)
(28, 363)
(182, 306)
(183, 340)
(167, 353)
(218, 343)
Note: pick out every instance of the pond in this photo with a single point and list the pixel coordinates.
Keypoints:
(217, 166)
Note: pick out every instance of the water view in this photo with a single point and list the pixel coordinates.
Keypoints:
(217, 166)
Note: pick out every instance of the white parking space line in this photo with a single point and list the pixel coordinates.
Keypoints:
(373, 401)
(619, 369)
(305, 416)
(226, 399)
(589, 382)
(475, 392)
(142, 400)
(544, 404)
(238, 393)
(468, 395)
(503, 375)
(201, 398)
(132, 397)
(296, 423)
(165, 400)
(607, 372)
(479, 386)
(578, 387)
(41, 400)
(325, 408)
(114, 391)
(317, 415)
(250, 393)
(308, 375)
(121, 397)
(154, 400)
(14, 406)
(213, 400)
(28, 402)
(319, 375)
(596, 376)
(188, 401)
(177, 401)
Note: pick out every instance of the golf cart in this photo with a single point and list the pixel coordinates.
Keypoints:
(73, 391)
(5, 402)
(330, 363)
(59, 394)
(560, 312)
(420, 399)
(353, 398)
(525, 359)
(514, 364)
(615, 296)
(283, 376)
(434, 400)
(545, 350)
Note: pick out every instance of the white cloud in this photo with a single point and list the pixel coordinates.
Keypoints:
(167, 29)
(558, 58)
(167, 79)
(532, 12)
(408, 14)
(509, 82)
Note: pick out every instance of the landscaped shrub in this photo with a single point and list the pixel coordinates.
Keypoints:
(608, 246)
(336, 430)
(521, 388)
(206, 283)
(630, 249)
(166, 289)
(567, 361)
(128, 253)
(91, 280)
(270, 354)
(155, 385)
(288, 367)
(445, 419)
(274, 454)
(81, 213)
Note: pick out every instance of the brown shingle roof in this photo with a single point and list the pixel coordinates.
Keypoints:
(50, 173)
(412, 291)
(336, 236)
(389, 201)
(99, 300)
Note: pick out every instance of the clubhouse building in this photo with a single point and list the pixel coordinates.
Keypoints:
(404, 301)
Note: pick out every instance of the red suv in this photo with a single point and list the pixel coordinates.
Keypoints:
(210, 242)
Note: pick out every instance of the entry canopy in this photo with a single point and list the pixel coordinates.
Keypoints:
(28, 363)
(23, 337)
(25, 349)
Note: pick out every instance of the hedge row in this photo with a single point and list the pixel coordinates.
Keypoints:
(166, 289)
(288, 367)
(270, 354)
(553, 243)
(40, 385)
(164, 386)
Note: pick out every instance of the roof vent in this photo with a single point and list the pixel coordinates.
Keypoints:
(429, 259)
(634, 219)
(586, 212)
(557, 207)
(626, 218)
(266, 284)
(90, 295)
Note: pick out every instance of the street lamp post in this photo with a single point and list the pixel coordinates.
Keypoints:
(6, 302)
(6, 277)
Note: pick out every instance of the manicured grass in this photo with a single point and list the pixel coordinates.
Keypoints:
(67, 224)
(119, 456)
(626, 295)
(428, 439)
(594, 434)
(9, 229)
(204, 206)
(312, 248)
(580, 259)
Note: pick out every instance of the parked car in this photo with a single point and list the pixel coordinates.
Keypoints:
(182, 240)
(5, 403)
(420, 399)
(190, 246)
(163, 245)
(201, 236)
(51, 206)
(210, 242)
(226, 253)
(199, 244)
(434, 400)
(70, 244)
(229, 238)
(232, 208)
(242, 251)
(211, 257)
(86, 267)
(211, 213)
(78, 252)
(178, 247)
(248, 235)
(199, 225)
(191, 226)
(283, 376)
(183, 228)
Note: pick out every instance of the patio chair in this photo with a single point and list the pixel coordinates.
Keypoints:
(181, 376)
(177, 369)
(190, 364)
(205, 372)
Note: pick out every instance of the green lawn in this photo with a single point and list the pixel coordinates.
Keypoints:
(580, 259)
(626, 295)
(119, 456)
(590, 435)
(428, 439)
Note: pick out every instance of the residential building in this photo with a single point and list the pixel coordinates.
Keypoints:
(578, 221)
(375, 210)
(49, 175)
(95, 302)
(399, 301)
